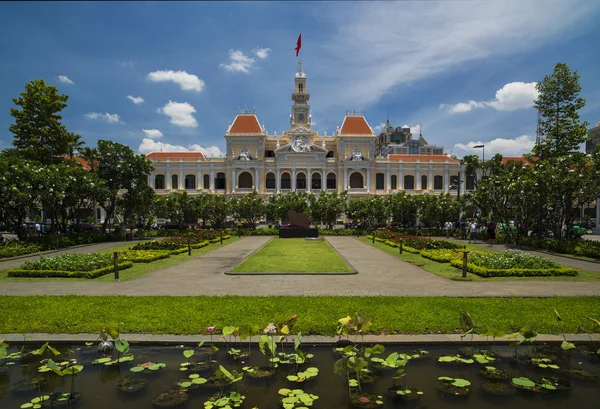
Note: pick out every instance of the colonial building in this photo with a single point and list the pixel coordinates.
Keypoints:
(301, 159)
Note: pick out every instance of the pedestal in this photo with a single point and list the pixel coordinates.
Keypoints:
(291, 233)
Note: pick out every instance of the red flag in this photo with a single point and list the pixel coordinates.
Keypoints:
(298, 44)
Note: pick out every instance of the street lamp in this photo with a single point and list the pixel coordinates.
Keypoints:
(482, 146)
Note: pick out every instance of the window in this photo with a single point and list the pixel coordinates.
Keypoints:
(190, 182)
(329, 154)
(220, 181)
(453, 182)
(356, 181)
(159, 182)
(270, 153)
(316, 181)
(438, 182)
(270, 180)
(245, 180)
(409, 182)
(470, 182)
(206, 182)
(394, 182)
(331, 181)
(424, 182)
(300, 181)
(174, 182)
(286, 181)
(379, 181)
(301, 88)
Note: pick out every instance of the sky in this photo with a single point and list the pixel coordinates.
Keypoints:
(173, 74)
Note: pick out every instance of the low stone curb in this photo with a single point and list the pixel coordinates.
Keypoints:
(306, 339)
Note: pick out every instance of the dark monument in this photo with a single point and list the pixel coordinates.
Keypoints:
(298, 226)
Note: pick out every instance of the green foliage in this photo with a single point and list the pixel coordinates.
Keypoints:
(249, 208)
(143, 256)
(12, 248)
(511, 259)
(516, 272)
(67, 274)
(71, 262)
(328, 207)
(368, 211)
(280, 204)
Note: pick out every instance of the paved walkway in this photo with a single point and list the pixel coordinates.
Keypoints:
(565, 261)
(379, 274)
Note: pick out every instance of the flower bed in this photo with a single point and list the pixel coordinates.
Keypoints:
(394, 244)
(442, 255)
(143, 256)
(13, 248)
(515, 272)
(67, 274)
(417, 242)
(71, 262)
(511, 259)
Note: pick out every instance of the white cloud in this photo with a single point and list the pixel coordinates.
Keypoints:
(440, 37)
(187, 82)
(148, 145)
(127, 64)
(65, 79)
(238, 62)
(378, 128)
(153, 133)
(512, 96)
(415, 130)
(506, 147)
(181, 113)
(135, 100)
(261, 53)
(110, 118)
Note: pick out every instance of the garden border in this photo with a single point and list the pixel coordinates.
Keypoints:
(229, 272)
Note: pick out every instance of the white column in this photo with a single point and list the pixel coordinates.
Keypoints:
(388, 182)
(278, 182)
(309, 180)
(368, 180)
(168, 181)
(418, 178)
(198, 177)
(233, 181)
(462, 180)
(400, 179)
(324, 179)
(446, 179)
(430, 178)
(256, 182)
(212, 178)
(181, 177)
(346, 185)
(151, 180)
(293, 179)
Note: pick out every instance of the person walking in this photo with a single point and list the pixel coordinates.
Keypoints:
(473, 232)
(448, 227)
(491, 232)
(419, 228)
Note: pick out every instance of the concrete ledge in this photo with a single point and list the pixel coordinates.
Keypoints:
(306, 339)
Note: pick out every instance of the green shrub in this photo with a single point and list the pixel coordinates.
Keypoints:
(396, 245)
(14, 248)
(588, 248)
(511, 259)
(71, 262)
(67, 274)
(442, 255)
(143, 256)
(515, 272)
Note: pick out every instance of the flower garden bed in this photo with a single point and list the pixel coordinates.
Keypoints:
(67, 274)
(177, 245)
(143, 256)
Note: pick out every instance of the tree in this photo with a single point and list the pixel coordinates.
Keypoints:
(369, 211)
(39, 134)
(219, 209)
(558, 104)
(249, 208)
(437, 210)
(328, 207)
(279, 205)
(74, 143)
(403, 208)
(120, 169)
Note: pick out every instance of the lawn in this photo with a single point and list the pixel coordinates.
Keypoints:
(453, 273)
(316, 315)
(294, 256)
(138, 269)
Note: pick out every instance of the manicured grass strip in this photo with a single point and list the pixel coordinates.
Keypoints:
(138, 269)
(453, 273)
(316, 315)
(294, 256)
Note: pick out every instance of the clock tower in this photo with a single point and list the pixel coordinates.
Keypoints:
(300, 116)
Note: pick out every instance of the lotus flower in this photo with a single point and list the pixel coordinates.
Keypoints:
(364, 399)
(210, 330)
(271, 329)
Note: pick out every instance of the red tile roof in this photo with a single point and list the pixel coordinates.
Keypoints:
(245, 124)
(355, 125)
(175, 155)
(422, 158)
(82, 161)
(521, 159)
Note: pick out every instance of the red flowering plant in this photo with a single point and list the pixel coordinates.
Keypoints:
(417, 242)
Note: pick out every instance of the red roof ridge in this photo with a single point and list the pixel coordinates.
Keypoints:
(175, 155)
(397, 156)
(245, 123)
(355, 125)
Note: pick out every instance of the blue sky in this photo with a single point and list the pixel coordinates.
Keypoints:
(464, 70)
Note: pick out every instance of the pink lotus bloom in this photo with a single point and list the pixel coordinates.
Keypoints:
(364, 399)
(210, 329)
(271, 329)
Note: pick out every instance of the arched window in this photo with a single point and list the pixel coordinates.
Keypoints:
(174, 182)
(394, 182)
(356, 181)
(424, 182)
(301, 88)
(331, 181)
(409, 182)
(206, 182)
(300, 181)
(286, 181)
(270, 180)
(159, 182)
(438, 181)
(190, 181)
(316, 181)
(220, 181)
(379, 181)
(245, 180)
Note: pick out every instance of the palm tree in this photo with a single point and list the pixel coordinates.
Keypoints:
(74, 142)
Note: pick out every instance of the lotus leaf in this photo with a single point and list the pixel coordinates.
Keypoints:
(284, 391)
(461, 383)
(136, 369)
(404, 392)
(567, 345)
(188, 353)
(199, 381)
(524, 382)
(101, 360)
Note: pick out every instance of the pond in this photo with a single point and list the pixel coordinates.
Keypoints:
(561, 378)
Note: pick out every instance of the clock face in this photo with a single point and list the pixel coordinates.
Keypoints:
(301, 117)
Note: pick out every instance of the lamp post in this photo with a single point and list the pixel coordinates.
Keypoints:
(482, 146)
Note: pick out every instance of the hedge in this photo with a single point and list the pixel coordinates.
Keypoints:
(68, 274)
(143, 256)
(442, 256)
(394, 244)
(514, 272)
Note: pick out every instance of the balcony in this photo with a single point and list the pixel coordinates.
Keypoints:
(357, 190)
